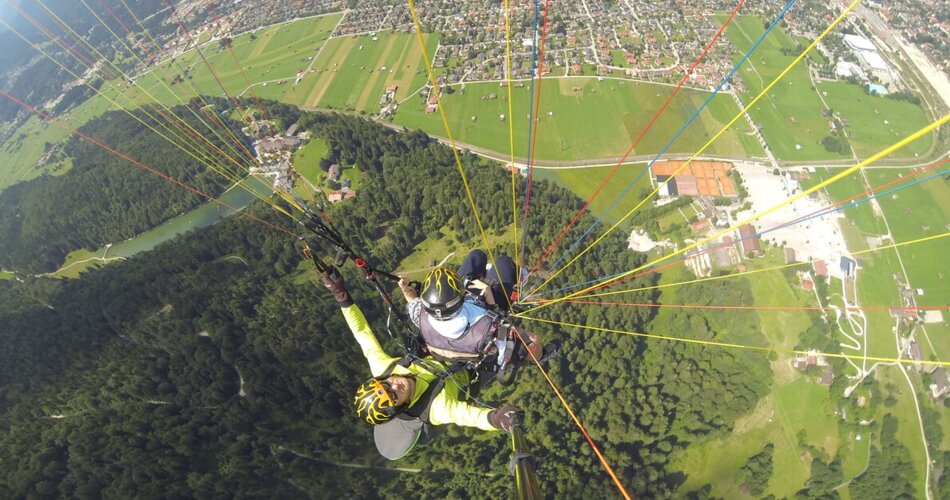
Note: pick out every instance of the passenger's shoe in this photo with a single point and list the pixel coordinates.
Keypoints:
(551, 349)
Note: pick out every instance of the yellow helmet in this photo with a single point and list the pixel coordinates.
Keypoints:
(375, 403)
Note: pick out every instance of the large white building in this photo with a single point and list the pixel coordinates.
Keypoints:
(869, 56)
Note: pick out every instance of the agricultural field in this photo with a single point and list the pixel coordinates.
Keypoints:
(790, 114)
(918, 212)
(353, 72)
(619, 108)
(268, 57)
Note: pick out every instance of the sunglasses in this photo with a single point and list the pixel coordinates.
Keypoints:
(384, 389)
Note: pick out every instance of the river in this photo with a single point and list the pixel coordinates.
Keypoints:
(204, 215)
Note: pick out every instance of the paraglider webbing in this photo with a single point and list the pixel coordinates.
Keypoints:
(320, 226)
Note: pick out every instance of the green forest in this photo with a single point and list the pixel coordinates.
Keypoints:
(102, 199)
(186, 372)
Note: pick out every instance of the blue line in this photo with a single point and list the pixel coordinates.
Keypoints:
(776, 228)
(534, 65)
(681, 130)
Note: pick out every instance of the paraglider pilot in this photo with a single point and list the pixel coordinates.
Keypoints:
(405, 396)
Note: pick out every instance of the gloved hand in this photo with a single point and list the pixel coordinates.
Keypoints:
(333, 280)
(407, 291)
(503, 418)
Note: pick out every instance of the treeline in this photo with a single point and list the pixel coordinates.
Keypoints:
(104, 198)
(128, 382)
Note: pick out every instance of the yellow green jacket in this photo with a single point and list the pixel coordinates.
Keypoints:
(447, 406)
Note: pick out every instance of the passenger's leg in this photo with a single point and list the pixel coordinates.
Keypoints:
(473, 267)
(503, 276)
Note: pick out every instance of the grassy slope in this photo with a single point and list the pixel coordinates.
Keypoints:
(307, 161)
(796, 404)
(585, 181)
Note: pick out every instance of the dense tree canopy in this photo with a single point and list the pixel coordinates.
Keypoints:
(104, 198)
(187, 372)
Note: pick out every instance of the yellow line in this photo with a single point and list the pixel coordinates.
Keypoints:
(837, 177)
(511, 137)
(127, 77)
(448, 132)
(708, 143)
(742, 346)
(206, 158)
(774, 268)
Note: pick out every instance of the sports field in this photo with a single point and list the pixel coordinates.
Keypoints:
(613, 112)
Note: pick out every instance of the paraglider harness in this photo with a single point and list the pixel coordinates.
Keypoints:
(401, 434)
(497, 351)
(497, 354)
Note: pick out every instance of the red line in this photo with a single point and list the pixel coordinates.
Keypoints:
(213, 72)
(763, 308)
(103, 4)
(140, 164)
(643, 132)
(577, 421)
(240, 67)
(673, 263)
(537, 109)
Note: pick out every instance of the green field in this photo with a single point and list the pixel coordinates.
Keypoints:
(875, 122)
(908, 431)
(613, 113)
(306, 161)
(584, 181)
(266, 56)
(918, 212)
(790, 114)
(5, 275)
(349, 72)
